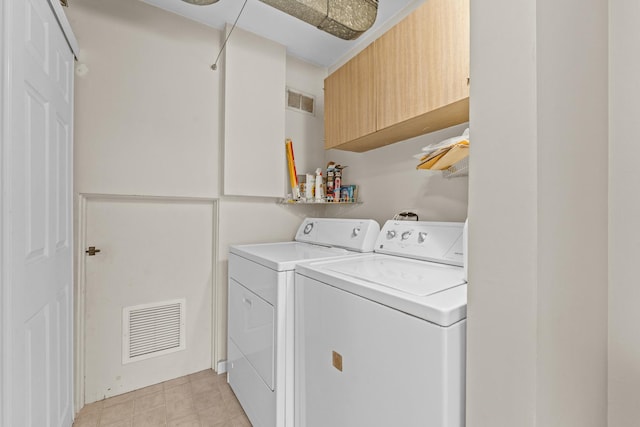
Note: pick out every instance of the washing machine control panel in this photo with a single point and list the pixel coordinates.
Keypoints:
(405, 235)
(426, 240)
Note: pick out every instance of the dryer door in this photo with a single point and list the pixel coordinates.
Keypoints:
(251, 327)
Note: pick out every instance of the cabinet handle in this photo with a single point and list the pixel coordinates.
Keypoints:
(247, 301)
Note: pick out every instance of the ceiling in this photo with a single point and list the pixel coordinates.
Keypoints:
(301, 39)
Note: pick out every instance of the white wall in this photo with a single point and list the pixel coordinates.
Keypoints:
(624, 214)
(537, 309)
(389, 182)
(147, 111)
(572, 213)
(149, 116)
(306, 131)
(501, 312)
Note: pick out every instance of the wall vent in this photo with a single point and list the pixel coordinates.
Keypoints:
(151, 330)
(299, 101)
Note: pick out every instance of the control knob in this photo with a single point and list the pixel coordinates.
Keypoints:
(391, 234)
(308, 228)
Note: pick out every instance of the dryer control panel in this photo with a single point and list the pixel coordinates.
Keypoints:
(439, 242)
(354, 234)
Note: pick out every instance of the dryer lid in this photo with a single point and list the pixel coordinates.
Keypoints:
(284, 256)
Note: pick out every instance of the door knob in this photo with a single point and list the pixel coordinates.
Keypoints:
(92, 251)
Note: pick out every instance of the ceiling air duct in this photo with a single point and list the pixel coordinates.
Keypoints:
(346, 19)
(201, 2)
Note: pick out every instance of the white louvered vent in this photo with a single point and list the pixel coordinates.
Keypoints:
(151, 330)
(301, 102)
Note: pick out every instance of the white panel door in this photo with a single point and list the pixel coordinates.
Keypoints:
(37, 278)
(151, 251)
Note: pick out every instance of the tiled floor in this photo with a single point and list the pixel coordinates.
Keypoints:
(203, 399)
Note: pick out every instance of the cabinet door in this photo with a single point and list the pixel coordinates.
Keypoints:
(254, 116)
(350, 100)
(423, 62)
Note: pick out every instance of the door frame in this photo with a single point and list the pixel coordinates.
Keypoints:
(80, 288)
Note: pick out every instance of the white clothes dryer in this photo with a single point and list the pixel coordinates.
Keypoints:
(380, 338)
(260, 312)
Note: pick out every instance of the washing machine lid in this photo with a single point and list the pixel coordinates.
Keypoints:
(431, 291)
(405, 275)
(284, 256)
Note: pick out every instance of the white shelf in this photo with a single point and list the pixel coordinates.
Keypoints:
(460, 168)
(322, 203)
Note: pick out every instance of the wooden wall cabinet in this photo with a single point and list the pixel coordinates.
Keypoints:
(350, 101)
(411, 81)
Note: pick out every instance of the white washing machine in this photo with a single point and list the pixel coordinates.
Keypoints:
(380, 338)
(260, 318)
